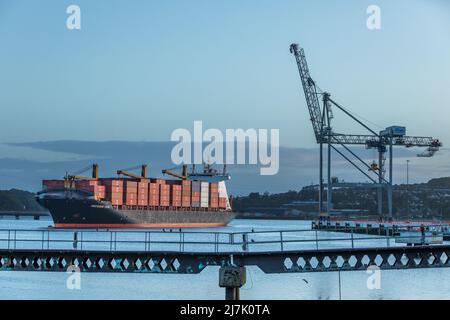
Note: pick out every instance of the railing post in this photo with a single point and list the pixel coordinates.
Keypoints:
(149, 241)
(245, 242)
(353, 245)
(317, 241)
(75, 239)
(281, 240)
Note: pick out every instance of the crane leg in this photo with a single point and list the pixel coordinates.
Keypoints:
(380, 181)
(389, 191)
(321, 179)
(329, 186)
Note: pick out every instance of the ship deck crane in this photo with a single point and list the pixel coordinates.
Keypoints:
(319, 105)
(71, 178)
(183, 176)
(126, 172)
(208, 174)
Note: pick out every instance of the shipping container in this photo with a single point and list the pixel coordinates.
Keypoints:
(53, 184)
(175, 195)
(223, 190)
(130, 184)
(185, 201)
(98, 191)
(111, 182)
(223, 203)
(116, 198)
(164, 195)
(153, 194)
(80, 183)
(204, 194)
(186, 188)
(158, 181)
(142, 194)
(195, 186)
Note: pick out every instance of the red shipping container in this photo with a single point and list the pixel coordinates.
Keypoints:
(142, 193)
(142, 202)
(113, 189)
(158, 181)
(214, 204)
(98, 191)
(130, 202)
(186, 187)
(173, 182)
(130, 193)
(142, 185)
(185, 201)
(86, 183)
(153, 194)
(222, 202)
(130, 185)
(53, 184)
(111, 182)
(164, 195)
(116, 198)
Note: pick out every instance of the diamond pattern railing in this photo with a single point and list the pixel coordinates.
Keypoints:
(192, 263)
(22, 260)
(348, 259)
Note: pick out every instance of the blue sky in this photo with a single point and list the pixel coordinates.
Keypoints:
(137, 70)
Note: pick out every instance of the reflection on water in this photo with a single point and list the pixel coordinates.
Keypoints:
(396, 284)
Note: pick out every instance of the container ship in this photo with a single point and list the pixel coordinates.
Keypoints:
(135, 201)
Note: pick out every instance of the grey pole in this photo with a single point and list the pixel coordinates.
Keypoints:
(390, 179)
(232, 278)
(380, 181)
(329, 187)
(407, 185)
(321, 178)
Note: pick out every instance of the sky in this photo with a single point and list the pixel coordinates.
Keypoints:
(137, 70)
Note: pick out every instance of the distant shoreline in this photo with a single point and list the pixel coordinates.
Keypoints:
(271, 218)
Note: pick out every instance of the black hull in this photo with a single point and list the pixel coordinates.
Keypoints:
(86, 212)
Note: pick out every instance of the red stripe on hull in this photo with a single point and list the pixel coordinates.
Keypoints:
(137, 225)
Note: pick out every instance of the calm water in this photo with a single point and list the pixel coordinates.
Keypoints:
(402, 284)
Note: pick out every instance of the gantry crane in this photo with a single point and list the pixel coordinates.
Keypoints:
(319, 105)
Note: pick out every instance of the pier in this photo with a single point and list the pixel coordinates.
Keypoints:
(190, 252)
(379, 228)
(36, 215)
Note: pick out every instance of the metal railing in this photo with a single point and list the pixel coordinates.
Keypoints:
(197, 241)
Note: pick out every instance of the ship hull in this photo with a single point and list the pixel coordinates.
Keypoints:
(79, 212)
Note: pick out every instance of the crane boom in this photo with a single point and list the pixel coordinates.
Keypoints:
(317, 117)
(183, 176)
(77, 176)
(127, 173)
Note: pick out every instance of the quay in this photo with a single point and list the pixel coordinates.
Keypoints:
(378, 228)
